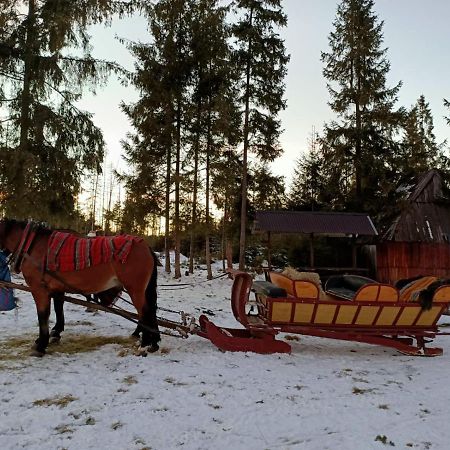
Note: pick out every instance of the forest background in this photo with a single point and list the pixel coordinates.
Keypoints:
(205, 117)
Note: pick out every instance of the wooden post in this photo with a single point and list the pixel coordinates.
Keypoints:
(269, 251)
(311, 250)
(354, 262)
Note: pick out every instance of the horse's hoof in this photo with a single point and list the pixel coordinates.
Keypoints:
(135, 336)
(144, 351)
(54, 340)
(153, 348)
(37, 353)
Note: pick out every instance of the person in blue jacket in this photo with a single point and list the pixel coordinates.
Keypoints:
(7, 299)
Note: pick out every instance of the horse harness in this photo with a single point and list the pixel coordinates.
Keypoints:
(17, 257)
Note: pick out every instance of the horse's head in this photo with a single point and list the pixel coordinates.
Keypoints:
(7, 226)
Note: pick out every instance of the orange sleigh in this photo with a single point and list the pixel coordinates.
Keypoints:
(375, 314)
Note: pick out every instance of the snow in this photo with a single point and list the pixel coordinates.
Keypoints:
(326, 395)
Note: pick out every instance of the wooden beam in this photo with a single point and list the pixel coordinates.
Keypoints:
(311, 250)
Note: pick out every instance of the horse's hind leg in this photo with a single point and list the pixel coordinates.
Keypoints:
(137, 332)
(42, 300)
(150, 330)
(148, 324)
(58, 305)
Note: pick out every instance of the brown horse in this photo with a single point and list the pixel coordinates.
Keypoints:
(137, 275)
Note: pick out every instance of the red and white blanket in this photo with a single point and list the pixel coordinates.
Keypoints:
(67, 252)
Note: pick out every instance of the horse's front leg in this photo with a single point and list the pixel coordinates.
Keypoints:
(42, 301)
(58, 306)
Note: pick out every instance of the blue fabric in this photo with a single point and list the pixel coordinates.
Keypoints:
(7, 300)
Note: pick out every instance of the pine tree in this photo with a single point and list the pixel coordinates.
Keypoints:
(163, 71)
(261, 64)
(307, 183)
(447, 104)
(360, 143)
(212, 102)
(420, 151)
(262, 182)
(46, 142)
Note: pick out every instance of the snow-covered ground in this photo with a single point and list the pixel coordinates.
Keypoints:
(325, 395)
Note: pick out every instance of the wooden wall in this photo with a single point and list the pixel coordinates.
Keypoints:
(398, 260)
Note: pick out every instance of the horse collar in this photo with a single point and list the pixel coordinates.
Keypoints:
(28, 235)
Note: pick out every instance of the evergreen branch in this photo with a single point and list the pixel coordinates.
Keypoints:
(7, 75)
(68, 101)
(10, 119)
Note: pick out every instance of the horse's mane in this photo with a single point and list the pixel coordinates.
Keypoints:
(426, 295)
(40, 228)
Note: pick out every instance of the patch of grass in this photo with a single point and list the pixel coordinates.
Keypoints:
(63, 429)
(174, 382)
(359, 391)
(116, 425)
(19, 348)
(384, 440)
(359, 380)
(383, 406)
(79, 322)
(214, 406)
(290, 337)
(130, 379)
(161, 409)
(85, 343)
(62, 401)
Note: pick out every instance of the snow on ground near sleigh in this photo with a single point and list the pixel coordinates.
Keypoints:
(326, 395)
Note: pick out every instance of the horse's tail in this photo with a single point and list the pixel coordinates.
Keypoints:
(150, 291)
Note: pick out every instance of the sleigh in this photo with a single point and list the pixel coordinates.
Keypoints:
(370, 312)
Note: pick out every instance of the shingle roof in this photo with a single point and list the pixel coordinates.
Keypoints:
(312, 222)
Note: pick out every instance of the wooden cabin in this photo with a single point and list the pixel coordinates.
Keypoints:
(418, 242)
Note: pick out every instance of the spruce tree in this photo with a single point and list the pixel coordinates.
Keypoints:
(447, 104)
(163, 70)
(359, 145)
(46, 142)
(211, 103)
(260, 62)
(307, 182)
(262, 182)
(420, 151)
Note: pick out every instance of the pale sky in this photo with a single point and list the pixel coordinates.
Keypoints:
(416, 33)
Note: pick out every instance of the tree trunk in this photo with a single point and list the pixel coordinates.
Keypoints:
(194, 193)
(245, 156)
(167, 209)
(224, 235)
(25, 106)
(358, 155)
(229, 252)
(27, 76)
(177, 193)
(208, 155)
